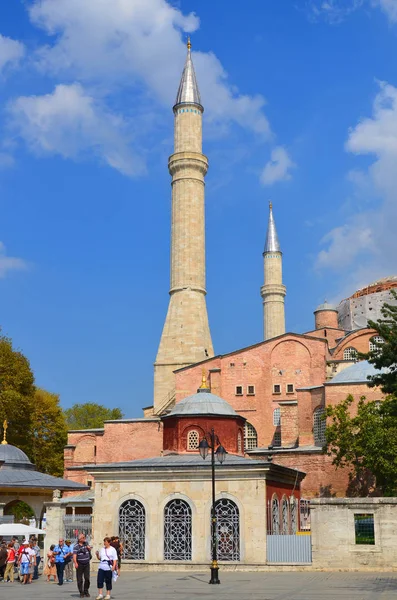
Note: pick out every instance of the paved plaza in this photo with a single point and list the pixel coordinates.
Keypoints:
(234, 586)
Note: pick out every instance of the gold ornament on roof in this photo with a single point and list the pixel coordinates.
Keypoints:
(203, 385)
(189, 45)
(5, 427)
(270, 204)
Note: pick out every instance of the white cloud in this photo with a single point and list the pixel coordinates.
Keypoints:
(71, 123)
(138, 44)
(11, 51)
(389, 7)
(278, 168)
(369, 237)
(332, 11)
(9, 263)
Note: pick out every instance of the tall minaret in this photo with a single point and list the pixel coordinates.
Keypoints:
(273, 291)
(186, 337)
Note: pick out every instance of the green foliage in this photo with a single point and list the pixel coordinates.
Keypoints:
(385, 354)
(49, 433)
(21, 511)
(90, 415)
(366, 442)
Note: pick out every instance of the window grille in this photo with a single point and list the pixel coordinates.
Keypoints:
(193, 439)
(350, 354)
(239, 442)
(293, 514)
(277, 417)
(239, 390)
(284, 516)
(277, 438)
(132, 526)
(177, 530)
(319, 426)
(275, 516)
(277, 388)
(227, 529)
(251, 390)
(290, 388)
(374, 343)
(250, 437)
(364, 529)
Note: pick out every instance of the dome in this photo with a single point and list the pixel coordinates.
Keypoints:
(203, 403)
(326, 306)
(13, 455)
(357, 373)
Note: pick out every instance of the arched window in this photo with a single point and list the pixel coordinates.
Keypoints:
(193, 439)
(319, 425)
(284, 516)
(293, 514)
(177, 530)
(374, 343)
(277, 417)
(275, 529)
(350, 353)
(250, 437)
(239, 443)
(227, 529)
(132, 525)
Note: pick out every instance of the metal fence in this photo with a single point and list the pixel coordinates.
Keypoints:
(6, 519)
(288, 531)
(76, 524)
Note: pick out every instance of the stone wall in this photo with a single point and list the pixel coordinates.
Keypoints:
(333, 534)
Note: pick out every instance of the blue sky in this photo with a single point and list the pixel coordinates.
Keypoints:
(300, 107)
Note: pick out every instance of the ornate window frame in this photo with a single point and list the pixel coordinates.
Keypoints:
(192, 440)
(350, 353)
(175, 526)
(319, 426)
(139, 533)
(250, 437)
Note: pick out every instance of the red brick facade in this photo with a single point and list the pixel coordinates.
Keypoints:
(229, 431)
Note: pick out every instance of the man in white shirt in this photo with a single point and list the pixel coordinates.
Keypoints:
(26, 560)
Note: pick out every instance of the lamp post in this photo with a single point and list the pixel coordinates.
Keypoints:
(208, 443)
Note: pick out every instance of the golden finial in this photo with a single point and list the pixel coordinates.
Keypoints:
(204, 385)
(270, 204)
(189, 45)
(5, 426)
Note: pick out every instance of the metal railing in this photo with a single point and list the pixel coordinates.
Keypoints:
(6, 519)
(76, 524)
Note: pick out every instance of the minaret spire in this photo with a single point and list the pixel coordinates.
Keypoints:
(273, 291)
(186, 337)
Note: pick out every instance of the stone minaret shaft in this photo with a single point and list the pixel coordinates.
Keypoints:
(186, 337)
(273, 291)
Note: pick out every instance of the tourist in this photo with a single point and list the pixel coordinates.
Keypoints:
(108, 563)
(61, 551)
(37, 551)
(9, 572)
(16, 543)
(26, 561)
(3, 558)
(81, 559)
(118, 546)
(50, 568)
(32, 566)
(69, 563)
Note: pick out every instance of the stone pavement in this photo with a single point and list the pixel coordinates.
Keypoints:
(234, 586)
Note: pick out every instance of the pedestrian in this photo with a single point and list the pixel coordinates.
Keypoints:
(69, 563)
(50, 568)
(9, 572)
(108, 563)
(37, 551)
(32, 565)
(3, 558)
(118, 546)
(26, 561)
(61, 551)
(16, 543)
(81, 559)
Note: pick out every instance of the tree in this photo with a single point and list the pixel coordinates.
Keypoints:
(90, 415)
(385, 353)
(49, 433)
(366, 443)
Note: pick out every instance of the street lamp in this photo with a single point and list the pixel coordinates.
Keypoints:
(208, 443)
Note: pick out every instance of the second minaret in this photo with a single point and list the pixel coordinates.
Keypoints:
(186, 337)
(273, 291)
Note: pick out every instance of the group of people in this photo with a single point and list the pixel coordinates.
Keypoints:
(22, 558)
(64, 557)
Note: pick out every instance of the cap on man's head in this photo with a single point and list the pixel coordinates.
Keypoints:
(25, 543)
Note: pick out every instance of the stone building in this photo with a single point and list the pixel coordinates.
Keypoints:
(280, 386)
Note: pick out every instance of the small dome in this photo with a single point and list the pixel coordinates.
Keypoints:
(13, 455)
(326, 306)
(357, 373)
(203, 403)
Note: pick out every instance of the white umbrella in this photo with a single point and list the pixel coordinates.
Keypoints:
(7, 529)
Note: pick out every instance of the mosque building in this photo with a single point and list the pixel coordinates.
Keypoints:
(266, 402)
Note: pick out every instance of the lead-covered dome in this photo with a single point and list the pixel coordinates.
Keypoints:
(357, 373)
(11, 455)
(203, 403)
